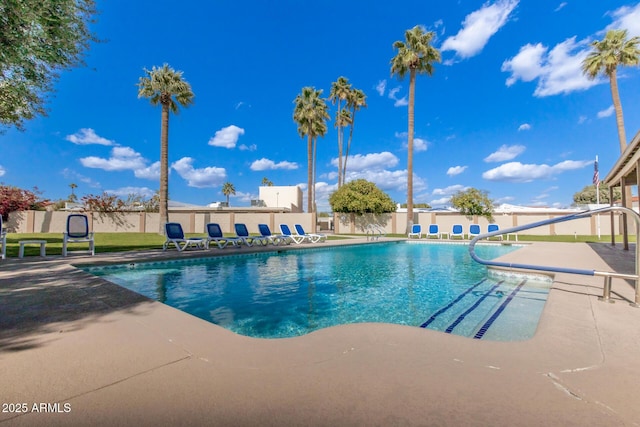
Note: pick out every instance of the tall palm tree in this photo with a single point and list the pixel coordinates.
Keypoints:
(415, 55)
(228, 189)
(356, 100)
(339, 93)
(165, 86)
(310, 113)
(607, 55)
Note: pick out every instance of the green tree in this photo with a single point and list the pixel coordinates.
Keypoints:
(361, 196)
(38, 40)
(472, 202)
(355, 101)
(266, 181)
(165, 87)
(228, 189)
(609, 53)
(310, 113)
(588, 195)
(415, 55)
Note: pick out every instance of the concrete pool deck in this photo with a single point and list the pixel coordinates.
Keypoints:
(107, 356)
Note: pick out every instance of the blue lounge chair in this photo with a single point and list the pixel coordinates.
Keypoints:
(274, 239)
(214, 234)
(474, 230)
(434, 230)
(3, 240)
(296, 238)
(175, 236)
(242, 233)
(416, 231)
(77, 232)
(456, 231)
(494, 227)
(314, 237)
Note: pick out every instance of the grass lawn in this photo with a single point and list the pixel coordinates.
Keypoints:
(104, 242)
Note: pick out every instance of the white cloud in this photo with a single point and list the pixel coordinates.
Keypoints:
(524, 126)
(399, 102)
(627, 17)
(137, 191)
(518, 172)
(381, 87)
(227, 137)
(373, 161)
(505, 152)
(441, 201)
(560, 6)
(199, 178)
(448, 191)
(557, 71)
(606, 113)
(266, 164)
(388, 180)
(456, 170)
(149, 172)
(86, 136)
(244, 147)
(2, 171)
(420, 144)
(478, 27)
(122, 158)
(75, 176)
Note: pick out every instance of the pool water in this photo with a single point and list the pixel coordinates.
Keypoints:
(292, 293)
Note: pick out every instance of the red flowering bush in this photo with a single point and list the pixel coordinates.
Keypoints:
(16, 199)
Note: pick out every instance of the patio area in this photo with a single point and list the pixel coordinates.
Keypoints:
(97, 354)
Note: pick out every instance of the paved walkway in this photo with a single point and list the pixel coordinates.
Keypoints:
(76, 350)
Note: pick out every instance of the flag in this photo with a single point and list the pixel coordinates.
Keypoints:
(596, 174)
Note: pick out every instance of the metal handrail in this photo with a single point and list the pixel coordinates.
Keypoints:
(607, 275)
(373, 228)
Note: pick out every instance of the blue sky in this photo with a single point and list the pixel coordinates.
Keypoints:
(507, 111)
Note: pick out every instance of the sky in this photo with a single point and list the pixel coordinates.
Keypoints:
(508, 110)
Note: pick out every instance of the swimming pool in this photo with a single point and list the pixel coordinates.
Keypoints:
(294, 292)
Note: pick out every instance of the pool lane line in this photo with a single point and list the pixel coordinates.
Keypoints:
(448, 306)
(497, 313)
(473, 307)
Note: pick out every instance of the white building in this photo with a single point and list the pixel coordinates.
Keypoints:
(280, 196)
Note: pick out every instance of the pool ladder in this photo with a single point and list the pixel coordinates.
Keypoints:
(375, 231)
(608, 276)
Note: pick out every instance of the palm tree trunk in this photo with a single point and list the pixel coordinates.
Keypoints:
(164, 168)
(412, 98)
(618, 108)
(622, 137)
(315, 150)
(309, 173)
(346, 154)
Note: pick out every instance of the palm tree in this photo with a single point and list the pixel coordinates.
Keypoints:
(356, 100)
(266, 181)
(72, 196)
(310, 113)
(607, 55)
(415, 55)
(228, 189)
(340, 90)
(166, 87)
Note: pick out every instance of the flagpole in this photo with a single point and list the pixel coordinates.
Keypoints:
(596, 178)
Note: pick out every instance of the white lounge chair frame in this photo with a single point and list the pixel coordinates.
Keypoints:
(436, 231)
(242, 233)
(214, 234)
(274, 239)
(3, 241)
(416, 231)
(458, 234)
(297, 239)
(314, 237)
(175, 235)
(77, 232)
(471, 232)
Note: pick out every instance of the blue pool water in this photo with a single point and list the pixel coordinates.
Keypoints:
(291, 293)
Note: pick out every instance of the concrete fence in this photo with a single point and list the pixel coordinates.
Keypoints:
(394, 223)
